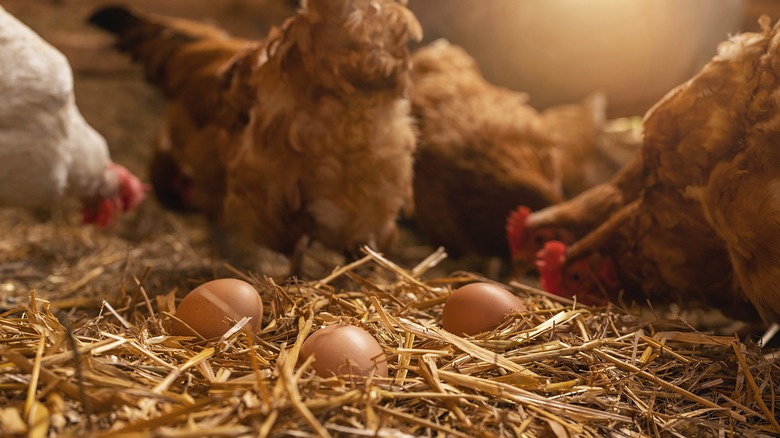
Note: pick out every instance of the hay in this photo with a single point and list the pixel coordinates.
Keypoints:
(85, 349)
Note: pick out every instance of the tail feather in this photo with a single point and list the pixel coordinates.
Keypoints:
(339, 43)
(175, 53)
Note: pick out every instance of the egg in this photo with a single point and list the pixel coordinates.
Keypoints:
(344, 349)
(208, 308)
(478, 307)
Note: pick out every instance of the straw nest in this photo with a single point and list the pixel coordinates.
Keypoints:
(85, 350)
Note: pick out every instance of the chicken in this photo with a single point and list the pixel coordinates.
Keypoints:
(48, 152)
(700, 227)
(483, 150)
(741, 199)
(305, 134)
(527, 232)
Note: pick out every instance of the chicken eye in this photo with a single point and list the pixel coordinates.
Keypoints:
(575, 277)
(539, 240)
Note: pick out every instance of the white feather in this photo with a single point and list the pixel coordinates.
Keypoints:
(47, 149)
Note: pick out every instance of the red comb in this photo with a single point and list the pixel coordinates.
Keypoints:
(515, 229)
(549, 262)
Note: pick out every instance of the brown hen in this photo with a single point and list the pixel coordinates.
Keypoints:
(305, 133)
(483, 150)
(703, 225)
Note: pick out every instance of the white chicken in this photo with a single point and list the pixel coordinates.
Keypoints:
(47, 150)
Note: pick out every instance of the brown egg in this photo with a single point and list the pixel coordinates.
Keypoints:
(344, 349)
(207, 308)
(478, 307)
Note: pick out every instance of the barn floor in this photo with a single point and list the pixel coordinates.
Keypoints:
(153, 255)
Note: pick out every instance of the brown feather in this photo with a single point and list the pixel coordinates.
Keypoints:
(304, 133)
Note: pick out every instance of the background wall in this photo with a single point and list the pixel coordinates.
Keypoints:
(561, 50)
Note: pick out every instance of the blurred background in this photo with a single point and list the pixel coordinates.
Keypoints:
(561, 50)
(555, 50)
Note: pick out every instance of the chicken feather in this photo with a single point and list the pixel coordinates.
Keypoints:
(305, 133)
(704, 225)
(742, 198)
(483, 150)
(47, 150)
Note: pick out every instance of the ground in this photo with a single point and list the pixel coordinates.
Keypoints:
(602, 370)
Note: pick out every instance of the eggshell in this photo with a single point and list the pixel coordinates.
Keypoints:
(206, 308)
(478, 307)
(344, 349)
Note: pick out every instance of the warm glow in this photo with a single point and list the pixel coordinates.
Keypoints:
(560, 50)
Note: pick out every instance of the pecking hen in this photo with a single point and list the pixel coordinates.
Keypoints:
(702, 227)
(48, 152)
(305, 134)
(483, 150)
(527, 231)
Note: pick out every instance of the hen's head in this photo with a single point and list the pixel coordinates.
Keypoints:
(525, 241)
(587, 278)
(127, 194)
